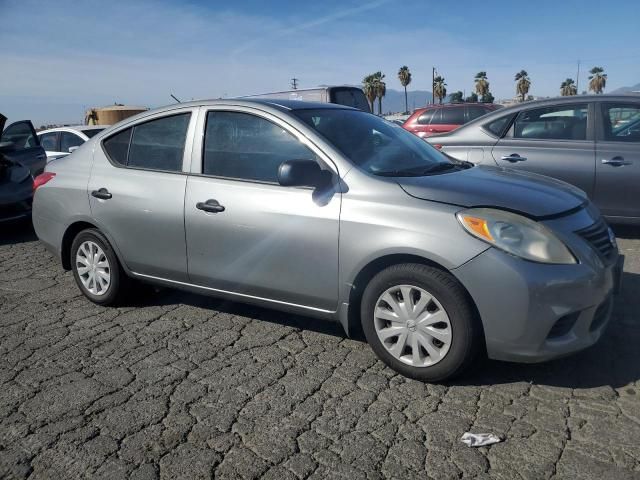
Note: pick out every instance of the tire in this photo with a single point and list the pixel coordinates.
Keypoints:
(443, 324)
(83, 245)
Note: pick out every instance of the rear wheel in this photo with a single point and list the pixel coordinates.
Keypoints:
(96, 268)
(419, 321)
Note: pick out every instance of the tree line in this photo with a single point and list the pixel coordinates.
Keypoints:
(375, 87)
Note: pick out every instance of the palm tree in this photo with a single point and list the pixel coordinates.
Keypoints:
(369, 89)
(381, 89)
(404, 75)
(568, 88)
(482, 84)
(457, 97)
(597, 79)
(439, 88)
(522, 84)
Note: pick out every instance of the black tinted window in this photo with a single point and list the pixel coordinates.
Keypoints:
(49, 141)
(622, 122)
(351, 97)
(117, 146)
(564, 122)
(159, 144)
(68, 140)
(474, 112)
(451, 116)
(21, 134)
(243, 146)
(426, 117)
(498, 126)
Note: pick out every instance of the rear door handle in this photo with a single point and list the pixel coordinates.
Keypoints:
(211, 206)
(616, 161)
(514, 157)
(102, 194)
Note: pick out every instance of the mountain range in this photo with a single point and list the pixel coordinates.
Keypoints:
(627, 90)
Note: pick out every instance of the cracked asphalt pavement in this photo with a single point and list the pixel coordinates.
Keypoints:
(176, 385)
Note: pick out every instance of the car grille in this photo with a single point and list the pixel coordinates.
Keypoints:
(597, 235)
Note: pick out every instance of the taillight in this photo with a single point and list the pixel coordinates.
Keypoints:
(42, 179)
(436, 146)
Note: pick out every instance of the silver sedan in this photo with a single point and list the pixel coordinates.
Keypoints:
(333, 212)
(592, 142)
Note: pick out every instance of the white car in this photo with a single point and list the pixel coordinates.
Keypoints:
(61, 141)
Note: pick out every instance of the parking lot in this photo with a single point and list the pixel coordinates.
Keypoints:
(180, 386)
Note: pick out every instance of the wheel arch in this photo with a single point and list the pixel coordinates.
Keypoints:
(73, 230)
(351, 318)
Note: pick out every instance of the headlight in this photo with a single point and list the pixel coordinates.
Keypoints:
(515, 234)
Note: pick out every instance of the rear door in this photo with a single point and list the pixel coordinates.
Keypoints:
(26, 146)
(618, 159)
(556, 141)
(445, 120)
(137, 189)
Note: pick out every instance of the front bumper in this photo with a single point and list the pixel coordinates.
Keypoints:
(533, 312)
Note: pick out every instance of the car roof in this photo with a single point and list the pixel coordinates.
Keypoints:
(77, 128)
(569, 100)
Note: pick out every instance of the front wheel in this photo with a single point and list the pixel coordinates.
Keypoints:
(96, 268)
(419, 321)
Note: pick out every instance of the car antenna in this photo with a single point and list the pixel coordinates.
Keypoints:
(174, 97)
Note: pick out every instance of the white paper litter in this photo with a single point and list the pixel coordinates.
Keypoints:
(480, 439)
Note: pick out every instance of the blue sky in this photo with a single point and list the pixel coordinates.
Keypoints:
(59, 57)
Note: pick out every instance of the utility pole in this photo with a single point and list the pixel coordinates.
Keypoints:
(433, 82)
(294, 83)
(578, 79)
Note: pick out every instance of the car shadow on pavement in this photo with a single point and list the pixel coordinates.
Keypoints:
(17, 232)
(167, 296)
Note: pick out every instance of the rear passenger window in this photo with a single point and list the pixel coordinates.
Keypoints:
(497, 127)
(117, 146)
(452, 116)
(425, 118)
(244, 146)
(154, 145)
(475, 112)
(159, 144)
(565, 122)
(621, 122)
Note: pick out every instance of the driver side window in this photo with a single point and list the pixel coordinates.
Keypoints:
(247, 147)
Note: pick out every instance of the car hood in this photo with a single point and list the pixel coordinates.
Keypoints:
(483, 186)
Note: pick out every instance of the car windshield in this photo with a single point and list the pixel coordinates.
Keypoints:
(375, 145)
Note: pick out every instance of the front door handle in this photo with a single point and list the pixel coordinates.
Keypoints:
(616, 161)
(211, 206)
(514, 157)
(102, 194)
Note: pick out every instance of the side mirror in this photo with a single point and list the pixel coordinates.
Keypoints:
(73, 149)
(299, 173)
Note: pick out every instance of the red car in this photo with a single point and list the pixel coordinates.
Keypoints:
(434, 119)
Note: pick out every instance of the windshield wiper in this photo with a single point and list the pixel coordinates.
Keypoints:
(439, 167)
(418, 171)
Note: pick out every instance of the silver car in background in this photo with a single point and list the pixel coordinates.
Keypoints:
(332, 212)
(592, 142)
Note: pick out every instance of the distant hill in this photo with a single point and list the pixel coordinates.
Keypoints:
(393, 101)
(627, 90)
